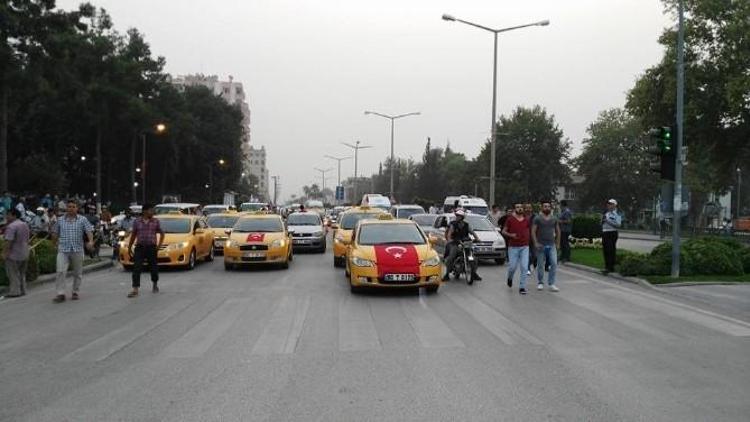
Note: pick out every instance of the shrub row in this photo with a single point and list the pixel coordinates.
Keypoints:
(587, 226)
(42, 260)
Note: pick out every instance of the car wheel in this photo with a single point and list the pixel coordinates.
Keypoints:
(191, 260)
(432, 289)
(127, 268)
(285, 265)
(499, 261)
(210, 256)
(337, 262)
(228, 266)
(355, 289)
(291, 255)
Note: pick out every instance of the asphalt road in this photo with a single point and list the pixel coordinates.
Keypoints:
(295, 345)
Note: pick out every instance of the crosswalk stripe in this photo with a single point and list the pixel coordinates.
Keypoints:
(703, 318)
(503, 328)
(283, 330)
(203, 335)
(431, 330)
(356, 326)
(107, 345)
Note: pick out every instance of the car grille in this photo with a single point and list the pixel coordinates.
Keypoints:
(254, 247)
(163, 260)
(303, 235)
(253, 258)
(163, 247)
(483, 244)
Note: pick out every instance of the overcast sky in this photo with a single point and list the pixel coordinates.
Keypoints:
(311, 68)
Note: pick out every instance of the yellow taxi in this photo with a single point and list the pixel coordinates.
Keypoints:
(388, 253)
(342, 234)
(258, 239)
(219, 223)
(187, 239)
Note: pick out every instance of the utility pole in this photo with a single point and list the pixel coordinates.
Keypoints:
(356, 147)
(680, 131)
(275, 189)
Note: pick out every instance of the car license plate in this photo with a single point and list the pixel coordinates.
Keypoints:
(301, 241)
(254, 254)
(399, 277)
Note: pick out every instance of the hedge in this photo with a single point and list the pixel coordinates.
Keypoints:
(42, 260)
(588, 226)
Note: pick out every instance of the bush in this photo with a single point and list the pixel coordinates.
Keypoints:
(42, 260)
(634, 264)
(699, 256)
(587, 226)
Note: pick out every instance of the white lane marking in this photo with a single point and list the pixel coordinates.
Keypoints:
(356, 326)
(111, 343)
(432, 331)
(714, 322)
(284, 329)
(725, 324)
(503, 328)
(196, 341)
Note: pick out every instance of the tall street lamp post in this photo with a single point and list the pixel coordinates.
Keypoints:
(338, 162)
(323, 177)
(739, 192)
(356, 147)
(494, 87)
(392, 118)
(158, 129)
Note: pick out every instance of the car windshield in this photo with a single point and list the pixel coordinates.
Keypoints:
(249, 206)
(174, 225)
(166, 209)
(222, 221)
(481, 210)
(254, 225)
(350, 220)
(406, 212)
(213, 210)
(423, 220)
(303, 220)
(479, 223)
(379, 234)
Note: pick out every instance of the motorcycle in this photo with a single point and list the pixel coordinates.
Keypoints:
(463, 263)
(98, 240)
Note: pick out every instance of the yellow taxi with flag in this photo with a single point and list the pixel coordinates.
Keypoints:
(187, 239)
(219, 223)
(387, 253)
(258, 239)
(342, 234)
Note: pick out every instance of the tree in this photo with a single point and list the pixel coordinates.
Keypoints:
(615, 163)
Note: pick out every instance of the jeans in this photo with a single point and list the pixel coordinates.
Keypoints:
(565, 246)
(546, 254)
(518, 256)
(145, 253)
(74, 260)
(609, 245)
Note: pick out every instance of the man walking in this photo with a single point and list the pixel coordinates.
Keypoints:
(528, 212)
(545, 233)
(495, 215)
(566, 229)
(16, 253)
(69, 234)
(146, 248)
(516, 230)
(611, 222)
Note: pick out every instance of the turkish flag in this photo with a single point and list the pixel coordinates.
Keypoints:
(255, 237)
(397, 259)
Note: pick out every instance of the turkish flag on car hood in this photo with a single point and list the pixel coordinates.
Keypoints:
(397, 259)
(255, 237)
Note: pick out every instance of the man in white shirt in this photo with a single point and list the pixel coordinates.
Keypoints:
(611, 222)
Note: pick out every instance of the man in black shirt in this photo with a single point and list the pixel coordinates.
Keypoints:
(458, 230)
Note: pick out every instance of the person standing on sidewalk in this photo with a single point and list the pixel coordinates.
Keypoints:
(516, 230)
(16, 253)
(146, 248)
(545, 233)
(68, 236)
(611, 222)
(566, 230)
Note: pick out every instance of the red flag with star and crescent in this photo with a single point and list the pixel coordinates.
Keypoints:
(397, 259)
(255, 237)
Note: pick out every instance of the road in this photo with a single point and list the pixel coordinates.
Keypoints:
(296, 345)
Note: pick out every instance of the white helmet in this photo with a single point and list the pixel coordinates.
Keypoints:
(460, 212)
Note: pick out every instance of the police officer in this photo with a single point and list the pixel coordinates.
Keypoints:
(458, 230)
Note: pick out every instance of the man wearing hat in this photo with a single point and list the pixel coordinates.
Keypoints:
(611, 222)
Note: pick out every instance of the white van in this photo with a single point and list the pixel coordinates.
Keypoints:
(376, 200)
(468, 203)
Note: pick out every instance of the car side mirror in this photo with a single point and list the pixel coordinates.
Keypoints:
(290, 231)
(227, 231)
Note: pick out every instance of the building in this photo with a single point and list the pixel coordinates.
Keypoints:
(569, 191)
(256, 165)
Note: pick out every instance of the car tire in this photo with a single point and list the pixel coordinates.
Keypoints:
(432, 289)
(499, 261)
(228, 266)
(285, 265)
(127, 268)
(338, 262)
(355, 289)
(191, 260)
(210, 256)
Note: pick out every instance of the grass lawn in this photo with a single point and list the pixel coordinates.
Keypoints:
(589, 257)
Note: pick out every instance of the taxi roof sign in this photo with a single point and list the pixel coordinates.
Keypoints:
(385, 217)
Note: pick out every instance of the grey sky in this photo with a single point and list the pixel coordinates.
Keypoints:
(311, 68)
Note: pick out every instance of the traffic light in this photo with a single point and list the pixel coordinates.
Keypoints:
(663, 149)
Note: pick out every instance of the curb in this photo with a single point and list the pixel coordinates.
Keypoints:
(47, 278)
(616, 276)
(703, 283)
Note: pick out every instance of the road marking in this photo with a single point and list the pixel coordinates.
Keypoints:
(503, 328)
(706, 319)
(356, 326)
(203, 335)
(111, 343)
(431, 330)
(283, 330)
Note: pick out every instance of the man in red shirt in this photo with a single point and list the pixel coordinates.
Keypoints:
(146, 247)
(517, 231)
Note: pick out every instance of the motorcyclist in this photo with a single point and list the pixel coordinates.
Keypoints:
(458, 231)
(38, 223)
(127, 222)
(91, 215)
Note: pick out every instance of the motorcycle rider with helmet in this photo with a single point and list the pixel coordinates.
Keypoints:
(458, 231)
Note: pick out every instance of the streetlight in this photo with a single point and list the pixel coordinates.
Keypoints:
(494, 87)
(158, 129)
(356, 147)
(323, 176)
(739, 191)
(339, 160)
(210, 184)
(83, 158)
(392, 118)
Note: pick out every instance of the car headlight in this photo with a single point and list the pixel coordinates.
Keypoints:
(498, 243)
(317, 234)
(121, 233)
(431, 262)
(361, 262)
(177, 246)
(231, 244)
(278, 243)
